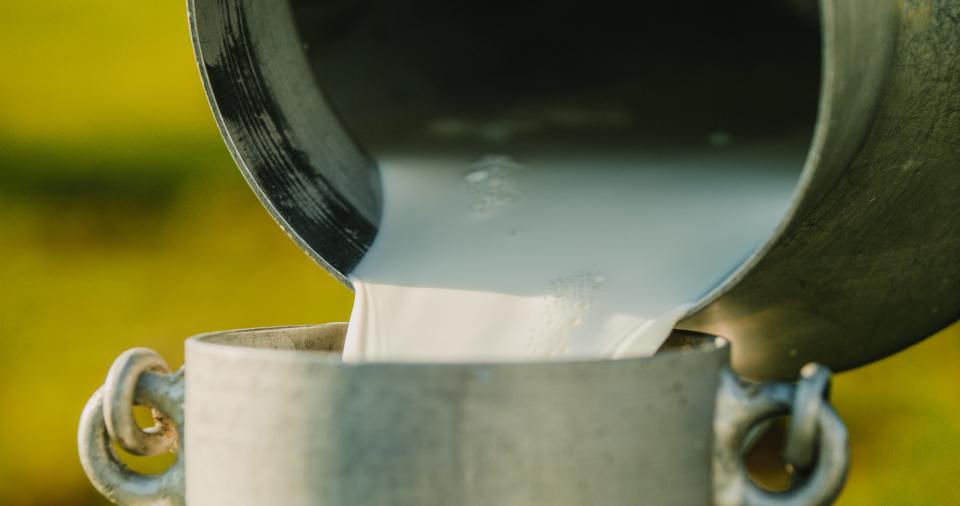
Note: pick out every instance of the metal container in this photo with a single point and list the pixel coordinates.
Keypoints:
(863, 264)
(308, 94)
(271, 416)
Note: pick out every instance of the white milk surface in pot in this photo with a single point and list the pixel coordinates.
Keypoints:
(567, 256)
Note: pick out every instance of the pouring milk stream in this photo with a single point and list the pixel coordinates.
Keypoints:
(495, 258)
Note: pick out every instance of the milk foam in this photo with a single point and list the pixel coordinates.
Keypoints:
(493, 258)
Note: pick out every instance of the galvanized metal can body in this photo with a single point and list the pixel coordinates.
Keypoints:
(277, 427)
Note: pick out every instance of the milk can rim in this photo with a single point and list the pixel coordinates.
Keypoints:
(214, 342)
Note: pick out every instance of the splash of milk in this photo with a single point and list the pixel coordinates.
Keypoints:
(578, 256)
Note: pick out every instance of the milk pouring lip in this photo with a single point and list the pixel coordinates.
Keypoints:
(502, 258)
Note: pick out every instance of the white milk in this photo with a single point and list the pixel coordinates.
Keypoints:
(502, 259)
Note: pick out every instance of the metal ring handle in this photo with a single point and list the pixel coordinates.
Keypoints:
(113, 479)
(119, 397)
(741, 407)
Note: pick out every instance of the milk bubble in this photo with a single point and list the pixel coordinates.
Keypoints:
(492, 183)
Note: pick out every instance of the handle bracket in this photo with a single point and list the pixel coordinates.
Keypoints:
(138, 376)
(822, 449)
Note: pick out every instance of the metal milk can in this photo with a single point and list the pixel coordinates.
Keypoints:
(308, 94)
(863, 264)
(272, 416)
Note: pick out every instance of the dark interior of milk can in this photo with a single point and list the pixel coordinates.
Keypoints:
(476, 76)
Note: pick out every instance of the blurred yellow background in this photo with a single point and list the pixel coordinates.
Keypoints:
(123, 222)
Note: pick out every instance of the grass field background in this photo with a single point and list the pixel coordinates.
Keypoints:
(124, 223)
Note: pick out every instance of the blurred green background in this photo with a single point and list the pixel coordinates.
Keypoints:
(123, 222)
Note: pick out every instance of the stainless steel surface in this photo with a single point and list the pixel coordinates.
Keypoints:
(271, 416)
(863, 265)
(866, 263)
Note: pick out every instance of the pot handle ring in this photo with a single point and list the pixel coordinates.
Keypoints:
(816, 449)
(138, 376)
